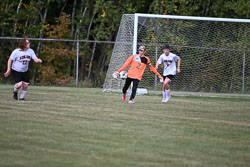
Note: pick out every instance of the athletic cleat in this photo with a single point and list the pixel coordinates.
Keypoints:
(123, 96)
(162, 100)
(166, 100)
(23, 99)
(15, 96)
(131, 102)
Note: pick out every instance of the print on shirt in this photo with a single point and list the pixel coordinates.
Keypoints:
(168, 62)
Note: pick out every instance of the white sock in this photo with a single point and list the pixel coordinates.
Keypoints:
(22, 94)
(15, 89)
(168, 93)
(164, 94)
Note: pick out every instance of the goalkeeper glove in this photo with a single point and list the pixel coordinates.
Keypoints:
(116, 74)
(161, 79)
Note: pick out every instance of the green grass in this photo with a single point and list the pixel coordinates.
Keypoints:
(58, 126)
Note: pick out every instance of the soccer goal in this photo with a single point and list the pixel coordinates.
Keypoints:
(215, 52)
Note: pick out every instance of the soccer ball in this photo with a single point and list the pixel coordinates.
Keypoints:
(123, 75)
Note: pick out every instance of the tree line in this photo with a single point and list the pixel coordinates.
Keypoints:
(88, 20)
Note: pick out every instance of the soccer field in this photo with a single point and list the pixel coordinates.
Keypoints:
(62, 126)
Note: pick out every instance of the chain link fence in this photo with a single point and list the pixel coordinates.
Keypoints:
(65, 62)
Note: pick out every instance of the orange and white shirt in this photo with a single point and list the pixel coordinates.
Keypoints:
(138, 66)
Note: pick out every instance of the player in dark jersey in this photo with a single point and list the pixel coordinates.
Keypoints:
(138, 64)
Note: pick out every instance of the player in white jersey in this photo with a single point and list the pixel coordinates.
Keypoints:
(169, 59)
(18, 65)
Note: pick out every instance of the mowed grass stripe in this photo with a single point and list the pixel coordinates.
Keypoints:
(59, 126)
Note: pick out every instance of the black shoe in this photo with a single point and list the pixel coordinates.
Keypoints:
(15, 96)
(22, 99)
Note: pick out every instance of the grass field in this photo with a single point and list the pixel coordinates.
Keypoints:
(58, 126)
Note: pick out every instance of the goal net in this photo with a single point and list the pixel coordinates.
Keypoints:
(215, 52)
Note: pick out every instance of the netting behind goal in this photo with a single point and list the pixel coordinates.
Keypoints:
(215, 54)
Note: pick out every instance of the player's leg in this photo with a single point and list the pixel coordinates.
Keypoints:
(134, 88)
(17, 86)
(125, 88)
(24, 90)
(167, 87)
(163, 90)
(25, 78)
(18, 83)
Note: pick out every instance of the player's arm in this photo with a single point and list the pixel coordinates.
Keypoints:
(7, 73)
(34, 57)
(157, 65)
(37, 60)
(179, 65)
(154, 71)
(126, 64)
(159, 61)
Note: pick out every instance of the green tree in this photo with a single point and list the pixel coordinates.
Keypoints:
(56, 54)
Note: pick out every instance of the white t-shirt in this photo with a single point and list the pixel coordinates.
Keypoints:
(169, 63)
(21, 59)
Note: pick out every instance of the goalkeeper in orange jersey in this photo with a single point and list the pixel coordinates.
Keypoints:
(138, 64)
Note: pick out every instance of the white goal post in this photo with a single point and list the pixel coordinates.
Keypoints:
(215, 52)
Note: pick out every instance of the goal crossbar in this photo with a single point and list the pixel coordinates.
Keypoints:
(137, 15)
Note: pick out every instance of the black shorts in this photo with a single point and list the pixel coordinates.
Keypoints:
(169, 77)
(20, 76)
